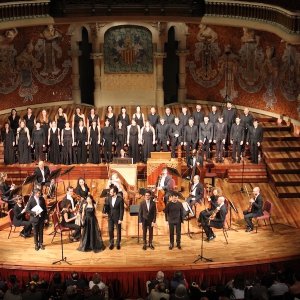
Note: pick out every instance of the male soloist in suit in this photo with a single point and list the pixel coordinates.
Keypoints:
(115, 216)
(147, 216)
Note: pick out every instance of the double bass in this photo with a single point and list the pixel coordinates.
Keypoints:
(159, 195)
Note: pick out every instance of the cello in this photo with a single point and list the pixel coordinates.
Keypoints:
(159, 194)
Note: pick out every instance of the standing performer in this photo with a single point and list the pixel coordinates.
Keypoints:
(38, 141)
(174, 214)
(229, 114)
(108, 139)
(53, 143)
(61, 119)
(93, 117)
(198, 115)
(124, 117)
(139, 117)
(36, 207)
(13, 120)
(29, 118)
(190, 137)
(8, 138)
(81, 140)
(254, 139)
(94, 142)
(213, 115)
(67, 143)
(254, 210)
(147, 217)
(166, 183)
(237, 139)
(246, 121)
(153, 117)
(148, 140)
(162, 136)
(196, 192)
(115, 216)
(133, 141)
(23, 142)
(121, 137)
(45, 122)
(20, 218)
(184, 116)
(82, 188)
(175, 134)
(206, 131)
(110, 116)
(168, 116)
(220, 133)
(5, 190)
(216, 219)
(77, 117)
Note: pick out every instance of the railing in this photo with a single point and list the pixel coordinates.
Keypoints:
(16, 10)
(267, 13)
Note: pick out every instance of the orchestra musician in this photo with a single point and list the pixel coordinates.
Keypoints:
(215, 219)
(194, 162)
(20, 218)
(254, 210)
(147, 217)
(37, 219)
(42, 173)
(196, 192)
(5, 190)
(174, 214)
(69, 198)
(166, 183)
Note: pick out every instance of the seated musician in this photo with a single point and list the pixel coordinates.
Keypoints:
(196, 192)
(213, 201)
(69, 198)
(216, 219)
(5, 190)
(166, 183)
(68, 220)
(254, 210)
(82, 189)
(20, 218)
(194, 162)
(42, 173)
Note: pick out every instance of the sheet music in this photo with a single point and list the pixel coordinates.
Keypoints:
(37, 209)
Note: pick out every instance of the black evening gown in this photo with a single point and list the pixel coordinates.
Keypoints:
(94, 152)
(9, 152)
(45, 126)
(139, 120)
(61, 122)
(91, 239)
(76, 121)
(111, 120)
(29, 123)
(38, 140)
(120, 135)
(14, 123)
(23, 148)
(54, 153)
(133, 143)
(68, 156)
(147, 138)
(81, 138)
(108, 137)
(91, 119)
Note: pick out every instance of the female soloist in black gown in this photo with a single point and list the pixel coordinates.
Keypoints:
(23, 140)
(8, 138)
(91, 239)
(54, 142)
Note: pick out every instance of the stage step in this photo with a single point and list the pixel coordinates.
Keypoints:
(284, 168)
(248, 179)
(288, 191)
(281, 145)
(280, 136)
(286, 179)
(282, 156)
(272, 126)
(250, 173)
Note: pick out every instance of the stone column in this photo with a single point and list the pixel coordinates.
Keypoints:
(182, 74)
(75, 53)
(159, 56)
(97, 57)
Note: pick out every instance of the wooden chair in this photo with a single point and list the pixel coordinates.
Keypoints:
(267, 210)
(58, 228)
(11, 218)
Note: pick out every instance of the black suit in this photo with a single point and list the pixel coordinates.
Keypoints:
(190, 137)
(236, 137)
(115, 213)
(162, 136)
(5, 194)
(256, 211)
(174, 213)
(206, 136)
(39, 176)
(220, 133)
(196, 194)
(213, 117)
(19, 220)
(255, 135)
(175, 140)
(198, 117)
(229, 117)
(37, 221)
(153, 119)
(147, 217)
(169, 119)
(183, 119)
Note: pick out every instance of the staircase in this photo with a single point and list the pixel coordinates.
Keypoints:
(250, 174)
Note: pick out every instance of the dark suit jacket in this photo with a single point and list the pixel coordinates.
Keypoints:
(198, 192)
(220, 131)
(169, 119)
(247, 121)
(190, 134)
(31, 204)
(175, 129)
(229, 116)
(206, 131)
(18, 217)
(116, 213)
(198, 117)
(184, 119)
(257, 205)
(213, 118)
(255, 135)
(153, 119)
(199, 159)
(169, 184)
(220, 217)
(174, 212)
(162, 132)
(145, 215)
(39, 176)
(237, 133)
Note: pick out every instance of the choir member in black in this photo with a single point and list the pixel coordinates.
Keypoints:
(67, 143)
(92, 116)
(213, 202)
(254, 210)
(81, 141)
(13, 120)
(147, 217)
(174, 214)
(229, 114)
(23, 142)
(94, 142)
(206, 131)
(139, 117)
(133, 141)
(37, 209)
(30, 120)
(5, 190)
(110, 116)
(220, 134)
(194, 163)
(213, 115)
(82, 189)
(20, 218)
(148, 140)
(61, 119)
(190, 137)
(254, 139)
(184, 116)
(53, 143)
(115, 205)
(237, 139)
(108, 140)
(162, 135)
(246, 121)
(175, 134)
(121, 137)
(38, 141)
(45, 122)
(8, 138)
(124, 117)
(196, 192)
(68, 220)
(153, 117)
(168, 116)
(77, 117)
(42, 173)
(198, 115)
(216, 219)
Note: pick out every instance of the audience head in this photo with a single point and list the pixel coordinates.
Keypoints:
(160, 276)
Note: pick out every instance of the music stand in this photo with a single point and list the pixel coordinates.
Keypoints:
(200, 256)
(231, 207)
(29, 179)
(189, 211)
(104, 193)
(67, 172)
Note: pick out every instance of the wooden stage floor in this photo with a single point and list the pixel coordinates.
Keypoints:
(243, 249)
